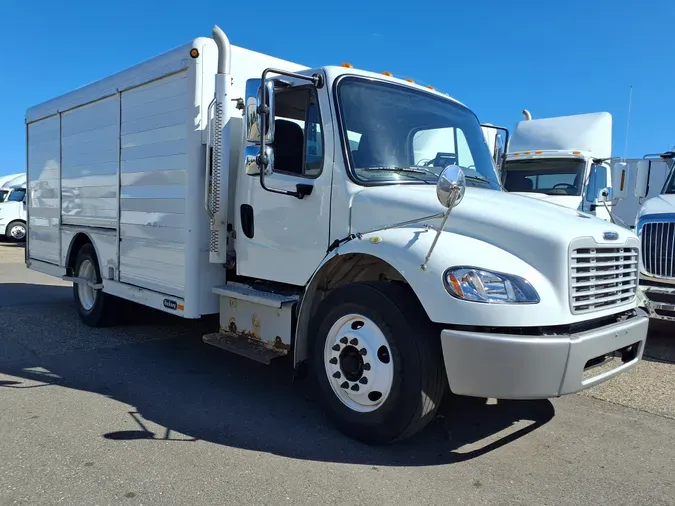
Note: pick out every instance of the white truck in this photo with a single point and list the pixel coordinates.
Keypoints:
(299, 204)
(13, 212)
(655, 225)
(567, 160)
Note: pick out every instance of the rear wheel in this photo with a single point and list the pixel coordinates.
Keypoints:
(16, 231)
(377, 362)
(94, 307)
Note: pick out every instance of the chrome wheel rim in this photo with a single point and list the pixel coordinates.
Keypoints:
(358, 363)
(17, 232)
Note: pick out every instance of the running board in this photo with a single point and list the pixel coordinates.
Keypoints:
(243, 346)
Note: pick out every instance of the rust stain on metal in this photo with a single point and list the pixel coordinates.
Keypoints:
(255, 321)
(279, 345)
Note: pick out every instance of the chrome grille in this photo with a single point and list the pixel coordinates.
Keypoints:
(602, 276)
(658, 249)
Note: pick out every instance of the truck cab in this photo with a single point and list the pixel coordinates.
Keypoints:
(565, 160)
(655, 226)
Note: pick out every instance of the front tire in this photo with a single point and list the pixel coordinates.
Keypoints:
(94, 307)
(16, 231)
(377, 362)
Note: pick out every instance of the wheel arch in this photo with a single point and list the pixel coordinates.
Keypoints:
(336, 271)
(76, 244)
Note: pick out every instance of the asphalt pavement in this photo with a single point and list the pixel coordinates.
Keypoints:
(145, 413)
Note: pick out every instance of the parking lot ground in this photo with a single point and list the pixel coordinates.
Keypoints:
(144, 413)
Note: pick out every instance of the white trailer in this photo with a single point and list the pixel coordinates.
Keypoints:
(311, 210)
(567, 160)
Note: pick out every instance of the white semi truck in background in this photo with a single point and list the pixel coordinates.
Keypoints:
(13, 207)
(655, 225)
(567, 160)
(349, 220)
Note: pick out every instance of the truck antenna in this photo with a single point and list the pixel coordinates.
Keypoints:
(630, 100)
(527, 115)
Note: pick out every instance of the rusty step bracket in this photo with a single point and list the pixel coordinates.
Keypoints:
(242, 346)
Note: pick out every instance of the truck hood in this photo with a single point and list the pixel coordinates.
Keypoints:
(570, 201)
(529, 228)
(661, 204)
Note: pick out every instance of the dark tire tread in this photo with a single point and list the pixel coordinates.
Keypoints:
(390, 297)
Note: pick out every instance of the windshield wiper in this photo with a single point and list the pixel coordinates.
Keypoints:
(413, 170)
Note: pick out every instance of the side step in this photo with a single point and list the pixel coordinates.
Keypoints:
(253, 323)
(242, 346)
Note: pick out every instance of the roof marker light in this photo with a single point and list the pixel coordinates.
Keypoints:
(347, 65)
(388, 74)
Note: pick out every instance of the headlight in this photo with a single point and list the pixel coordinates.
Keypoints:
(477, 285)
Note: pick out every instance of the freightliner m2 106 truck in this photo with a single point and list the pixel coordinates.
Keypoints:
(349, 220)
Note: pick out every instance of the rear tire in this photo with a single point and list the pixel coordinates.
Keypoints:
(386, 380)
(96, 309)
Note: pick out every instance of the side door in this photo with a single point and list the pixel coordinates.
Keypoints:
(280, 237)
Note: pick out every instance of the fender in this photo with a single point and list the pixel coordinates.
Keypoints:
(405, 248)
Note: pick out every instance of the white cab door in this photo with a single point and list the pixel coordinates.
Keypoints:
(280, 237)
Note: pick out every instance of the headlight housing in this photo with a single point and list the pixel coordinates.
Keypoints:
(478, 285)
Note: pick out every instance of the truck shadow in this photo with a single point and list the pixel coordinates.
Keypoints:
(179, 389)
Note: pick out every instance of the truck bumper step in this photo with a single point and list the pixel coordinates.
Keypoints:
(243, 346)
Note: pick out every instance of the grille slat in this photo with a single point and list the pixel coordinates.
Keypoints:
(658, 249)
(602, 277)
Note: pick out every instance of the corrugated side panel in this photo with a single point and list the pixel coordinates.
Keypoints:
(90, 151)
(153, 170)
(44, 156)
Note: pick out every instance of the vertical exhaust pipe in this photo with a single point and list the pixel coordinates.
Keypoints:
(221, 147)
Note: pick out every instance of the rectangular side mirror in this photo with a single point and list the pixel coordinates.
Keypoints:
(254, 120)
(619, 180)
(642, 178)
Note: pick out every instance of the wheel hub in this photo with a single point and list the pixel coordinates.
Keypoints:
(358, 363)
(351, 363)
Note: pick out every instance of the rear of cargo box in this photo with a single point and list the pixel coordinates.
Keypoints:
(121, 162)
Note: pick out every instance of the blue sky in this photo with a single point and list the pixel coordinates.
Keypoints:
(549, 57)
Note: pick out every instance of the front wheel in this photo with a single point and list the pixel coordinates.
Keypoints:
(377, 362)
(16, 231)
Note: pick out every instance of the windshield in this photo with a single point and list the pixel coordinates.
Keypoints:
(17, 195)
(396, 134)
(3, 195)
(669, 188)
(552, 176)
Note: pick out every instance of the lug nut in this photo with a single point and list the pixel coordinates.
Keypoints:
(363, 380)
(345, 384)
(366, 366)
(336, 347)
(336, 374)
(343, 340)
(354, 342)
(362, 352)
(333, 361)
(355, 387)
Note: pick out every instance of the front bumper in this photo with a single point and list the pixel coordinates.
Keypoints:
(658, 301)
(505, 366)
